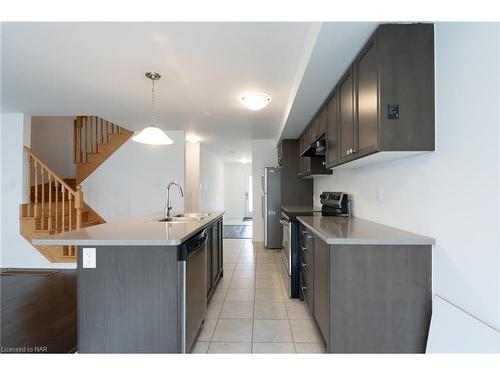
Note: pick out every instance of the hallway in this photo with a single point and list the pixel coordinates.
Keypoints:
(250, 311)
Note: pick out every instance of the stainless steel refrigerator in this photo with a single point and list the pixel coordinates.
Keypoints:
(271, 207)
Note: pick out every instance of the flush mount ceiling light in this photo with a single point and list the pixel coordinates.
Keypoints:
(255, 101)
(192, 138)
(152, 135)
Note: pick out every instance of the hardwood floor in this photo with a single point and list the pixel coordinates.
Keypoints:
(38, 313)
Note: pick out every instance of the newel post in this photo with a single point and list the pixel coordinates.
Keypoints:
(78, 206)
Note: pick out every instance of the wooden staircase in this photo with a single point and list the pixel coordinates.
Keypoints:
(95, 140)
(56, 205)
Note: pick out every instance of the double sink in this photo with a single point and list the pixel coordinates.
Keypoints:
(187, 217)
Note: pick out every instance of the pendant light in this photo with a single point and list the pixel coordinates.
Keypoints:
(152, 135)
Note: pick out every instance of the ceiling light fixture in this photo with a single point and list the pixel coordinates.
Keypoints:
(192, 138)
(255, 101)
(152, 135)
(244, 161)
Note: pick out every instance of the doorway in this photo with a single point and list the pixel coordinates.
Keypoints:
(238, 200)
(248, 199)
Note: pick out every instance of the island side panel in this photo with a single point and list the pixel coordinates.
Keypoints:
(129, 302)
(380, 298)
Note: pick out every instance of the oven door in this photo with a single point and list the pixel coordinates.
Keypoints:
(286, 260)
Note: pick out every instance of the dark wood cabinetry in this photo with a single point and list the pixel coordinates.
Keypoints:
(367, 298)
(346, 114)
(294, 191)
(382, 107)
(321, 291)
(214, 256)
(332, 131)
(367, 100)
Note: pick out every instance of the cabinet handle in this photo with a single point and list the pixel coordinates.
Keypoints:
(323, 163)
(304, 232)
(309, 236)
(305, 249)
(304, 265)
(304, 288)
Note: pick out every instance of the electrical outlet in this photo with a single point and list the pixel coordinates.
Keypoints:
(88, 257)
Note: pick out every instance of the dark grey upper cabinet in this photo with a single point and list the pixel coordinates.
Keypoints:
(346, 114)
(385, 99)
(367, 100)
(332, 130)
(314, 132)
(322, 121)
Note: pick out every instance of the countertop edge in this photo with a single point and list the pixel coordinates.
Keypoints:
(370, 241)
(131, 242)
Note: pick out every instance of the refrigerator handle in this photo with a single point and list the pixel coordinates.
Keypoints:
(262, 180)
(262, 205)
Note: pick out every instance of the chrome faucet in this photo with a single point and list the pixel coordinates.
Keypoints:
(168, 202)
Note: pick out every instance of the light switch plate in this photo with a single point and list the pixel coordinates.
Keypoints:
(88, 257)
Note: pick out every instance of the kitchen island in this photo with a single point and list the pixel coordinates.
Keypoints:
(143, 283)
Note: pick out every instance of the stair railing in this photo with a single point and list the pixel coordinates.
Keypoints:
(69, 215)
(89, 132)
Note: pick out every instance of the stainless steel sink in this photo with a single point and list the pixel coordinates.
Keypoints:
(187, 217)
(193, 214)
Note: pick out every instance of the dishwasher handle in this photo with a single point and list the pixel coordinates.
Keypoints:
(193, 245)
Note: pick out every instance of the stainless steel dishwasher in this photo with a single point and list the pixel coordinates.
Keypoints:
(193, 304)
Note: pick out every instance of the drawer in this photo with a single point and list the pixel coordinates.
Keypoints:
(306, 237)
(306, 261)
(305, 290)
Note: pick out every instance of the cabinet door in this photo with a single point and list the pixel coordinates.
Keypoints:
(209, 261)
(322, 123)
(332, 131)
(307, 165)
(221, 247)
(215, 253)
(346, 114)
(321, 290)
(314, 130)
(367, 100)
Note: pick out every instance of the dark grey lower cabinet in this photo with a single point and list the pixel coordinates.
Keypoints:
(369, 298)
(214, 256)
(321, 289)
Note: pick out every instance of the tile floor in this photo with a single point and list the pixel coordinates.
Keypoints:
(250, 312)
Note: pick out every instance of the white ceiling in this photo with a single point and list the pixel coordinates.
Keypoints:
(65, 69)
(98, 68)
(337, 44)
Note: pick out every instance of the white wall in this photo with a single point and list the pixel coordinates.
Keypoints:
(132, 181)
(451, 194)
(52, 141)
(211, 181)
(192, 190)
(15, 251)
(264, 154)
(236, 175)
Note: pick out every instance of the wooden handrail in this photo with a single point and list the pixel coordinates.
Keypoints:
(50, 171)
(71, 201)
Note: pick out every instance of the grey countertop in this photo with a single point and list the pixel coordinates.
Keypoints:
(297, 209)
(138, 231)
(355, 231)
